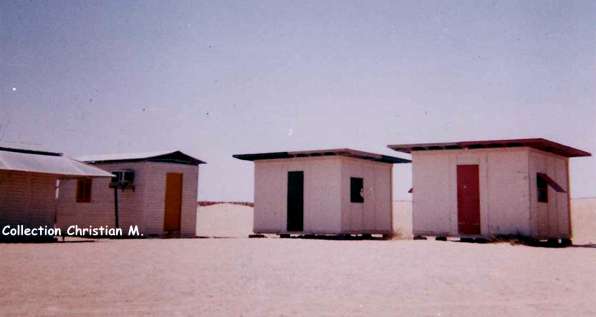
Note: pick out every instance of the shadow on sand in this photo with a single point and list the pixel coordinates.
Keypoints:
(593, 246)
(554, 243)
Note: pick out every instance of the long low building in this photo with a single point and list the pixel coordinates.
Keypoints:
(335, 191)
(517, 187)
(156, 192)
(29, 184)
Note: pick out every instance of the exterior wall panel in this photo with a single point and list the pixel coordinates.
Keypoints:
(327, 206)
(549, 219)
(375, 214)
(143, 207)
(504, 207)
(321, 191)
(27, 199)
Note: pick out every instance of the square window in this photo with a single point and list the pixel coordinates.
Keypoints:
(356, 190)
(542, 188)
(84, 190)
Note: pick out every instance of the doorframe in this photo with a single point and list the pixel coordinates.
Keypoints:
(165, 209)
(288, 229)
(457, 193)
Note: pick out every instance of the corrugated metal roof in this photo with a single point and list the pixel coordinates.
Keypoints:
(166, 156)
(317, 153)
(536, 143)
(29, 161)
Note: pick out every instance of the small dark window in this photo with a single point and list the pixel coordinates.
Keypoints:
(542, 187)
(84, 190)
(356, 190)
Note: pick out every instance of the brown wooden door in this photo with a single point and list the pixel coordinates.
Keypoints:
(468, 199)
(173, 204)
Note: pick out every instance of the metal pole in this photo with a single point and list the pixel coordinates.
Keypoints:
(116, 206)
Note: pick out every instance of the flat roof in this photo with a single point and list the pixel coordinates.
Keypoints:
(165, 157)
(536, 143)
(318, 153)
(31, 161)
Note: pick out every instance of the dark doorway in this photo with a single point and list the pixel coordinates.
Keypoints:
(295, 201)
(468, 199)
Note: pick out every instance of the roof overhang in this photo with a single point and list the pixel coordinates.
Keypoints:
(319, 153)
(176, 157)
(536, 143)
(27, 161)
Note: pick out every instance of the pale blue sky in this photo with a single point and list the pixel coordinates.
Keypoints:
(215, 78)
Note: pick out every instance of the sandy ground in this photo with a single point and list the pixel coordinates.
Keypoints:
(224, 220)
(583, 220)
(293, 277)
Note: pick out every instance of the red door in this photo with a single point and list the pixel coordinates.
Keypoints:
(468, 199)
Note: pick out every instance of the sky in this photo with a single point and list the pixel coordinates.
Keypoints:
(217, 78)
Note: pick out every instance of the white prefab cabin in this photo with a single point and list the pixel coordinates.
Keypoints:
(491, 188)
(155, 191)
(336, 191)
(29, 185)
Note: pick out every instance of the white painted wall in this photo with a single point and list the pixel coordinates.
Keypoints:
(327, 207)
(321, 194)
(374, 215)
(504, 190)
(143, 207)
(549, 219)
(27, 199)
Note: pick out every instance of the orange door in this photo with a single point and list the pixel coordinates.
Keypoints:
(173, 205)
(468, 199)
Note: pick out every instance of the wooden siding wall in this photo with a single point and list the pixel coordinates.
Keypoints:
(155, 191)
(504, 191)
(549, 219)
(27, 199)
(322, 206)
(327, 206)
(143, 207)
(375, 214)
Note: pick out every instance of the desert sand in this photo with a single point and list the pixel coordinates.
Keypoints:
(296, 277)
(583, 220)
(238, 276)
(224, 221)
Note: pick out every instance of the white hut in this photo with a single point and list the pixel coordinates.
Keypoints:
(491, 188)
(337, 191)
(155, 191)
(28, 186)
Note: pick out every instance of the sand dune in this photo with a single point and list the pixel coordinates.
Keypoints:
(224, 220)
(583, 220)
